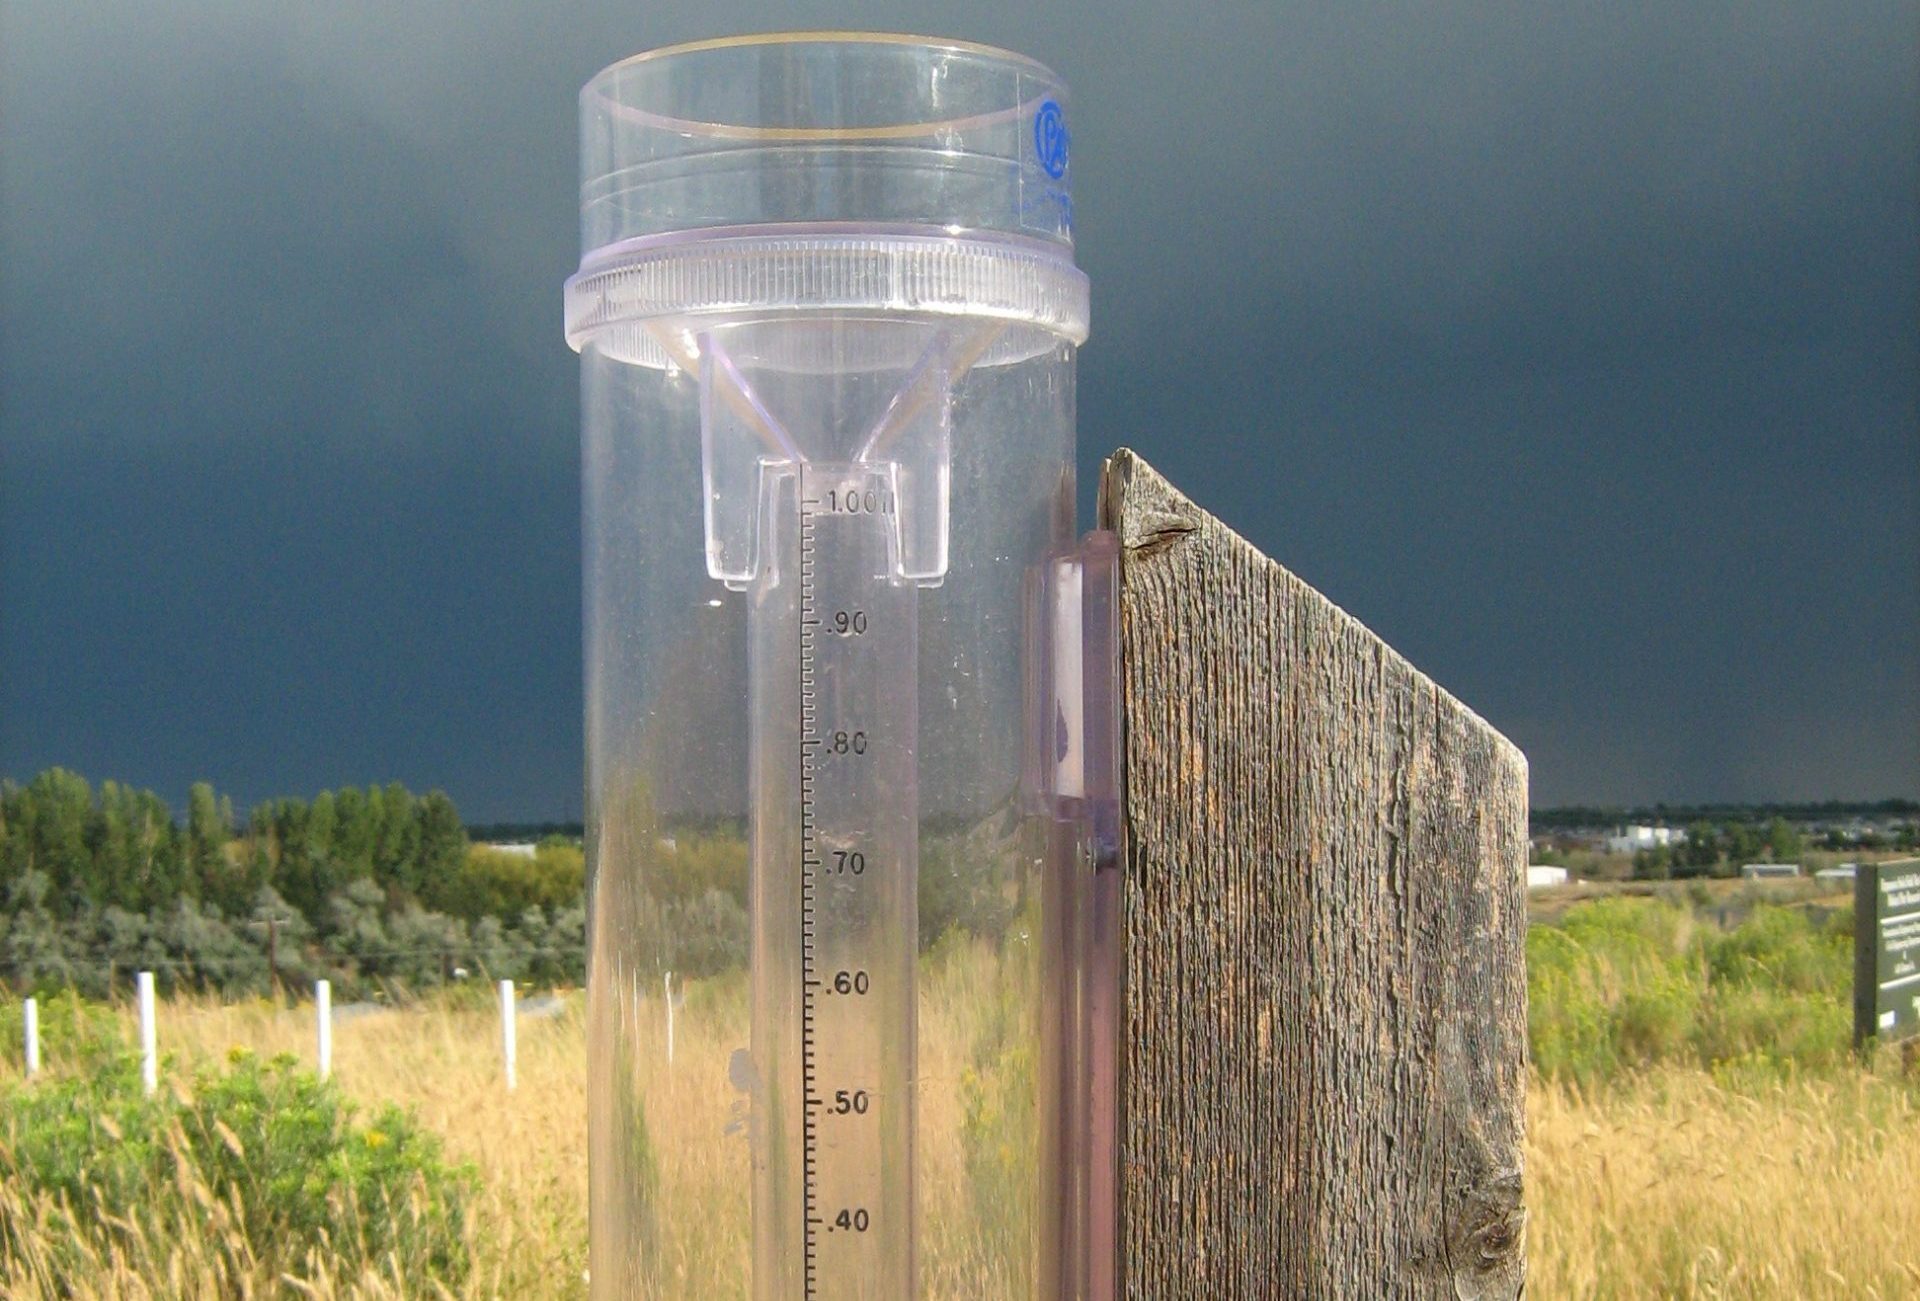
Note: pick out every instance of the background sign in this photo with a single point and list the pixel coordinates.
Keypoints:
(1886, 950)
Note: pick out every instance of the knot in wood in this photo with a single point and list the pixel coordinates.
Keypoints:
(1486, 1253)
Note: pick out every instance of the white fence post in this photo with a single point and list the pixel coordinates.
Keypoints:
(668, 987)
(149, 1054)
(30, 1024)
(323, 1018)
(508, 1048)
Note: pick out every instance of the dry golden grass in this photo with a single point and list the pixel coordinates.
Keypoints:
(1671, 1185)
(973, 1168)
(530, 1145)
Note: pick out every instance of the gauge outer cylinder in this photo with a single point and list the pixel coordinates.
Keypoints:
(827, 314)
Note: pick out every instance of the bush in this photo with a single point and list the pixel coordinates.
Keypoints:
(707, 935)
(970, 887)
(1778, 949)
(688, 865)
(73, 1032)
(1783, 1032)
(292, 1184)
(501, 884)
(1612, 987)
(1623, 984)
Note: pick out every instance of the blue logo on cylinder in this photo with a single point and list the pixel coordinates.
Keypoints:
(1050, 139)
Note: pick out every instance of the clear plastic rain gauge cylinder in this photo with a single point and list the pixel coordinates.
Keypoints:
(838, 778)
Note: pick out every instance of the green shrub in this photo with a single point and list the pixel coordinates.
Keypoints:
(688, 865)
(301, 1187)
(1782, 1031)
(1621, 984)
(1779, 949)
(1613, 986)
(1634, 929)
(496, 883)
(1569, 1025)
(968, 884)
(74, 1032)
(707, 935)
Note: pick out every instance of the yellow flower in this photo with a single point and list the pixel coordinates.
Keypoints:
(376, 1139)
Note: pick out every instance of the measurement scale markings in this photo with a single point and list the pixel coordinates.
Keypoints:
(844, 865)
(809, 858)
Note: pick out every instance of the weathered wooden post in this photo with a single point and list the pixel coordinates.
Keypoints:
(1324, 1015)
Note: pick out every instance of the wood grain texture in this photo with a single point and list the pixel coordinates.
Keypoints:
(1325, 992)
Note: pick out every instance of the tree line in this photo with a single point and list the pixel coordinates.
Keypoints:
(1576, 816)
(364, 886)
(1711, 850)
(1720, 848)
(376, 888)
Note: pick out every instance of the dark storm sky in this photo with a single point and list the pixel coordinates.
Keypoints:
(1573, 348)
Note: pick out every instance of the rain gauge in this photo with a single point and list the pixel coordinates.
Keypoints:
(849, 680)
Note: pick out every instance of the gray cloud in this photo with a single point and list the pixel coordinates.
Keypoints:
(1572, 350)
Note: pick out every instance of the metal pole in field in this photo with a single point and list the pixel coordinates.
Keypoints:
(668, 983)
(508, 1048)
(30, 1023)
(149, 1055)
(323, 1018)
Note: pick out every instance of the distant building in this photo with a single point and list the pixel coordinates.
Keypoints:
(1769, 871)
(523, 848)
(1540, 876)
(1631, 840)
(1843, 872)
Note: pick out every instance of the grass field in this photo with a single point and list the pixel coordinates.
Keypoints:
(1668, 1176)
